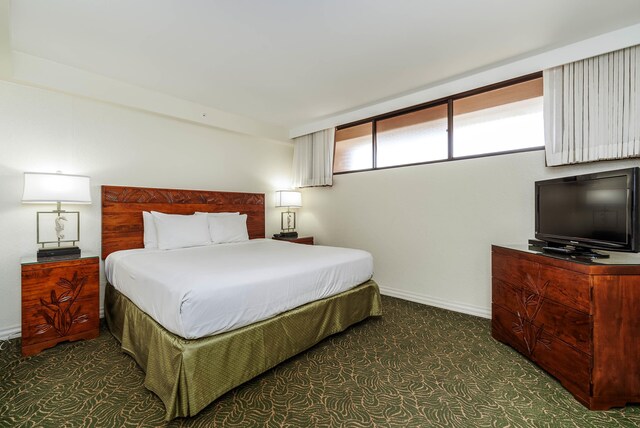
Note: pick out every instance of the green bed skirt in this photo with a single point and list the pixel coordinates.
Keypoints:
(188, 375)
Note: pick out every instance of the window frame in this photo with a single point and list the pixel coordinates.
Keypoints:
(449, 102)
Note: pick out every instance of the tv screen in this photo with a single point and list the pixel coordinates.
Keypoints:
(593, 210)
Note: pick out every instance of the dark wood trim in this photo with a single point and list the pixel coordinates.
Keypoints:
(333, 159)
(461, 158)
(493, 86)
(507, 152)
(450, 129)
(122, 206)
(374, 141)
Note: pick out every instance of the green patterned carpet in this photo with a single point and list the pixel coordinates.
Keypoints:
(417, 366)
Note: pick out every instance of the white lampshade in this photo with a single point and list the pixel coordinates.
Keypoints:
(288, 198)
(42, 187)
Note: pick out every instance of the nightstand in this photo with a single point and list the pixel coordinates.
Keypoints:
(60, 301)
(302, 240)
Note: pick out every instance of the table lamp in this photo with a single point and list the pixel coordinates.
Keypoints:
(288, 199)
(58, 231)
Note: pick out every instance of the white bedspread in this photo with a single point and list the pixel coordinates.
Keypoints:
(201, 291)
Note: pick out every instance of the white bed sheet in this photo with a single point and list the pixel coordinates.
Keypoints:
(201, 291)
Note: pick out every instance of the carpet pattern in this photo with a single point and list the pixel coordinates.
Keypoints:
(417, 366)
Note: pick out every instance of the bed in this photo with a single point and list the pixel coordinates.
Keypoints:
(187, 374)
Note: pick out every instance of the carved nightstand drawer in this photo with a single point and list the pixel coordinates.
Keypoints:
(60, 302)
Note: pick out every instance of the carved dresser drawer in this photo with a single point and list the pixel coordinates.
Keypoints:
(558, 358)
(578, 320)
(537, 314)
(60, 302)
(561, 285)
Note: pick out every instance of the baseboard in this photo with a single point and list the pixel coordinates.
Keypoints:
(15, 331)
(437, 302)
(10, 332)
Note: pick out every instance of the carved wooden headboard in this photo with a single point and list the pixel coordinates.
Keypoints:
(122, 207)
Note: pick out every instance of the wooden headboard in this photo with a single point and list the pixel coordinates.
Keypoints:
(122, 207)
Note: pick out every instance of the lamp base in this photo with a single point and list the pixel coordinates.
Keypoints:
(58, 252)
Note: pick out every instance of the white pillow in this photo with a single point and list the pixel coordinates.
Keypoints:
(228, 228)
(179, 231)
(150, 233)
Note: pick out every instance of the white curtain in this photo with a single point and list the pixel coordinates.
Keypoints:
(313, 159)
(592, 109)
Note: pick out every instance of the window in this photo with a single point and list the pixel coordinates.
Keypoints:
(419, 136)
(354, 152)
(502, 118)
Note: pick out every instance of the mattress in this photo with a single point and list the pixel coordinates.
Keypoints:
(202, 291)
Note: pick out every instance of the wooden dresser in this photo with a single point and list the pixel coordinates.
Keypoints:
(578, 320)
(60, 302)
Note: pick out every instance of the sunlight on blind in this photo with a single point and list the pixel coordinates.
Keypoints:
(505, 119)
(353, 148)
(420, 136)
(498, 129)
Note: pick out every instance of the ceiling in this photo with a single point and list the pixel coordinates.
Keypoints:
(290, 62)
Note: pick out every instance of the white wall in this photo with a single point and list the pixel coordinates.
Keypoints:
(47, 131)
(430, 227)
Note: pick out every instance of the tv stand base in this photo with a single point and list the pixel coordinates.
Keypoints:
(576, 252)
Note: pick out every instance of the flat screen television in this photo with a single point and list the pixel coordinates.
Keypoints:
(590, 211)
